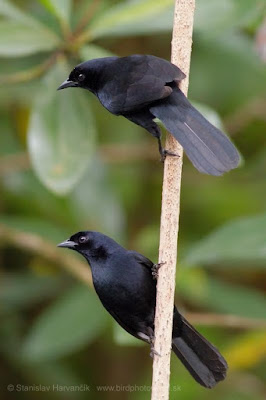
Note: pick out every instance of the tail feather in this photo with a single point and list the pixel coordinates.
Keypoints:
(209, 150)
(200, 357)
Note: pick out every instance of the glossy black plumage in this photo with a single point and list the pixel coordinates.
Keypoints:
(143, 87)
(125, 284)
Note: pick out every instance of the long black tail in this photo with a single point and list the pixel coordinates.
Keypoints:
(200, 357)
(209, 150)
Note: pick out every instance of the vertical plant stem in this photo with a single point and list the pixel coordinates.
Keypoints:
(181, 50)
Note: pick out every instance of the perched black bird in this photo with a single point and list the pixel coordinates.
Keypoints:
(124, 281)
(143, 87)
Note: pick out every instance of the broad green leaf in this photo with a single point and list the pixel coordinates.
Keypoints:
(222, 297)
(216, 16)
(92, 51)
(192, 283)
(145, 17)
(106, 210)
(8, 142)
(133, 17)
(229, 58)
(21, 290)
(24, 192)
(15, 14)
(85, 8)
(22, 92)
(12, 12)
(17, 39)
(239, 242)
(66, 326)
(60, 8)
(234, 299)
(61, 133)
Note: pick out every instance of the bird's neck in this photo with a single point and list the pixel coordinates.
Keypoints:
(92, 83)
(96, 255)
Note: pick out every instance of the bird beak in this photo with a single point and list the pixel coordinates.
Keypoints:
(67, 83)
(68, 244)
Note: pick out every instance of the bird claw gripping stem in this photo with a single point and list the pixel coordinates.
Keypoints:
(165, 153)
(155, 268)
(153, 352)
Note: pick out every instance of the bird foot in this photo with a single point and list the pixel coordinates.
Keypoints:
(153, 351)
(165, 153)
(155, 268)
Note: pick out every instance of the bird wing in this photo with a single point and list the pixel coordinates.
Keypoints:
(122, 323)
(146, 262)
(130, 293)
(135, 81)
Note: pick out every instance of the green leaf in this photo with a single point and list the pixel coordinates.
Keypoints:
(238, 242)
(8, 142)
(12, 12)
(69, 324)
(92, 51)
(22, 290)
(24, 192)
(137, 17)
(17, 39)
(233, 299)
(108, 215)
(199, 289)
(60, 8)
(61, 133)
(229, 58)
(218, 16)
(26, 24)
(133, 17)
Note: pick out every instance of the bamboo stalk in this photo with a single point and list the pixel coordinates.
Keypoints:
(181, 50)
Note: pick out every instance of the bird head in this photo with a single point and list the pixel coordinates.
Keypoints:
(78, 77)
(78, 241)
(91, 244)
(85, 75)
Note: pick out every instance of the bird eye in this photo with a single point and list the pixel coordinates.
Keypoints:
(81, 77)
(82, 239)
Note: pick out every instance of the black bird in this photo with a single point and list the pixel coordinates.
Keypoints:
(124, 281)
(143, 87)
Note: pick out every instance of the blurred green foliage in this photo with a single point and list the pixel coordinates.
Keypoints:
(67, 165)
